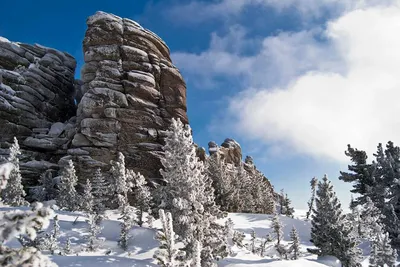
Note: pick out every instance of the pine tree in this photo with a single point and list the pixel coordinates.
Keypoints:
(128, 218)
(361, 174)
(278, 229)
(310, 203)
(373, 258)
(121, 183)
(371, 219)
(25, 223)
(287, 207)
(295, 246)
(45, 190)
(101, 194)
(253, 242)
(188, 194)
(330, 232)
(67, 248)
(94, 231)
(53, 237)
(382, 253)
(197, 255)
(13, 194)
(142, 197)
(167, 254)
(87, 198)
(67, 195)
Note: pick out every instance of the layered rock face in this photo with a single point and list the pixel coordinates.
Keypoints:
(36, 91)
(130, 91)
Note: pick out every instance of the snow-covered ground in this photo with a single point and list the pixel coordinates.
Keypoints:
(142, 244)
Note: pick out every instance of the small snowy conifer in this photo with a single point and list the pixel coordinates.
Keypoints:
(67, 196)
(278, 229)
(295, 246)
(87, 198)
(313, 184)
(167, 255)
(142, 197)
(13, 194)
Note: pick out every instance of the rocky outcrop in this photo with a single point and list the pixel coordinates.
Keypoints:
(36, 91)
(130, 92)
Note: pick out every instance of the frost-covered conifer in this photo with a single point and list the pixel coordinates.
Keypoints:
(289, 210)
(237, 238)
(13, 194)
(52, 238)
(67, 248)
(23, 223)
(330, 232)
(310, 203)
(371, 220)
(128, 219)
(189, 196)
(94, 231)
(87, 198)
(101, 192)
(382, 253)
(253, 242)
(168, 255)
(295, 246)
(197, 255)
(142, 197)
(278, 229)
(67, 196)
(121, 183)
(45, 190)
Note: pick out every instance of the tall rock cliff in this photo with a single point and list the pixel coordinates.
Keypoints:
(36, 91)
(130, 92)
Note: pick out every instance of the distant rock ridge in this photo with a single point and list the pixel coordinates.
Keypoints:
(128, 94)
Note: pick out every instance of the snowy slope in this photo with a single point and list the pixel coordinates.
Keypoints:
(143, 245)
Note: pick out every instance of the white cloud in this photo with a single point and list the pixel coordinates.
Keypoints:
(320, 112)
(277, 59)
(199, 11)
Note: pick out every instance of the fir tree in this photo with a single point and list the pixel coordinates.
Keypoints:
(188, 195)
(13, 194)
(142, 197)
(87, 198)
(23, 223)
(382, 253)
(94, 231)
(121, 183)
(101, 193)
(282, 202)
(287, 207)
(371, 219)
(67, 195)
(253, 242)
(197, 255)
(295, 246)
(167, 254)
(45, 190)
(330, 232)
(361, 174)
(67, 248)
(53, 237)
(278, 229)
(237, 238)
(128, 218)
(310, 203)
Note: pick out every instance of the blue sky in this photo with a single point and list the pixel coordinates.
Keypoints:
(293, 81)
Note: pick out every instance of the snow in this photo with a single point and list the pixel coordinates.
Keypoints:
(142, 243)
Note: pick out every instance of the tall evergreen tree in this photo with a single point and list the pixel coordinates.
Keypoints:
(100, 191)
(14, 192)
(310, 203)
(289, 210)
(121, 183)
(278, 229)
(330, 232)
(295, 245)
(168, 255)
(87, 198)
(67, 196)
(361, 174)
(187, 194)
(141, 195)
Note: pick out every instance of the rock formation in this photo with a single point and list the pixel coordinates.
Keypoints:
(36, 91)
(131, 91)
(128, 93)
